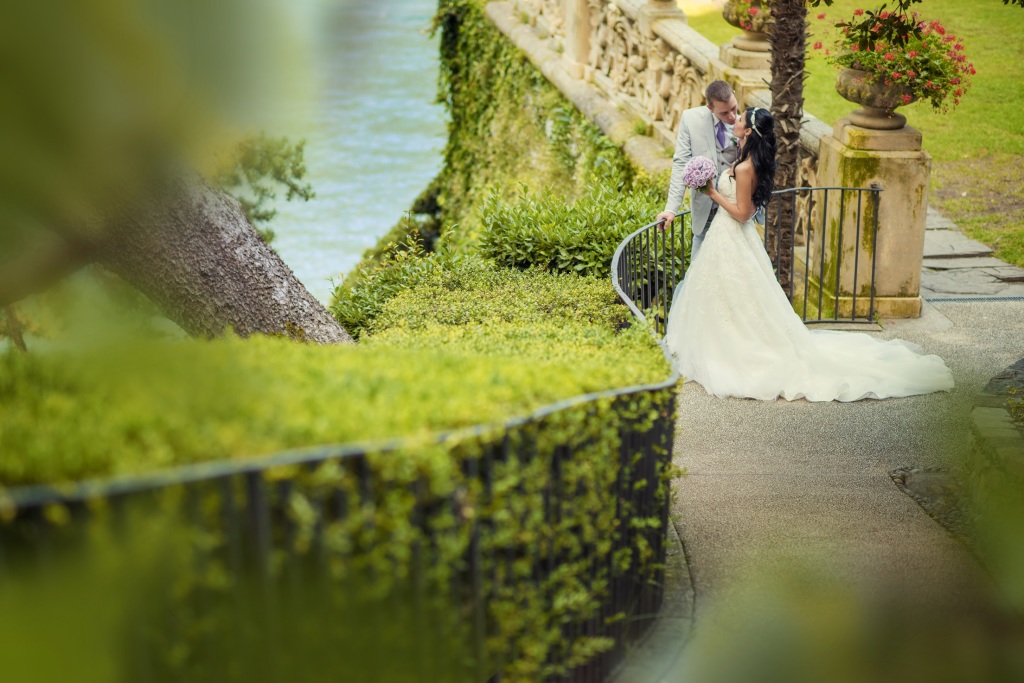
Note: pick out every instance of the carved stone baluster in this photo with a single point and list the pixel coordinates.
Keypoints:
(578, 29)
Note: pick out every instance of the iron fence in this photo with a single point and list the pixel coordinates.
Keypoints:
(648, 265)
(266, 528)
(831, 253)
(830, 247)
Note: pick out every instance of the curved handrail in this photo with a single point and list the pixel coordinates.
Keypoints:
(652, 258)
(616, 275)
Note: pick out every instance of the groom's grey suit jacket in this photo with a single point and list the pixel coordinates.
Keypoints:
(697, 138)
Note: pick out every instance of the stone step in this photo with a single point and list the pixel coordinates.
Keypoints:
(944, 243)
(958, 263)
(1007, 273)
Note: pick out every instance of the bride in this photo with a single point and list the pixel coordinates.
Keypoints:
(733, 329)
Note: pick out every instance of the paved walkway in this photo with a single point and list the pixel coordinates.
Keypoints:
(774, 488)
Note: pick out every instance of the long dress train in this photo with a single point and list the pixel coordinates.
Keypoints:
(734, 331)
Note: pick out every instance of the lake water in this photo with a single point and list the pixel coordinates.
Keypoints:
(374, 133)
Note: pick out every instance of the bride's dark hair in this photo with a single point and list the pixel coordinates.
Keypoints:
(760, 148)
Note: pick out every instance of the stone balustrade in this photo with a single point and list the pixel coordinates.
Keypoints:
(644, 56)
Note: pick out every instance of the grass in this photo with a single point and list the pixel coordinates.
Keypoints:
(977, 148)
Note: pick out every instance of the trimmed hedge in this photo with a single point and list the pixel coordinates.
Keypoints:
(366, 291)
(535, 338)
(566, 237)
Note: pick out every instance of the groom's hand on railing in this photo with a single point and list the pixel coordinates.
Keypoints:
(665, 218)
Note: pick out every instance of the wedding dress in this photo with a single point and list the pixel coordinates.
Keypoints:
(734, 331)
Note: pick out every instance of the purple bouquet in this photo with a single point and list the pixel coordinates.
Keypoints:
(699, 170)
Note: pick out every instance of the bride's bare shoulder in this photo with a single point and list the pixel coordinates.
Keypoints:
(744, 170)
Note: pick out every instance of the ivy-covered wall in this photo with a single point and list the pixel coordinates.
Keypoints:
(515, 145)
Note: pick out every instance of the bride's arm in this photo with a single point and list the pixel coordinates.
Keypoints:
(743, 208)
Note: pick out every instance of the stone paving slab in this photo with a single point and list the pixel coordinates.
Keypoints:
(967, 282)
(1008, 273)
(964, 262)
(933, 220)
(945, 243)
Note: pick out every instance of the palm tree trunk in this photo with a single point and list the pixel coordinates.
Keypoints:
(788, 39)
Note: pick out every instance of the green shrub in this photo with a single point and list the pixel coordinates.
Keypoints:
(566, 322)
(569, 237)
(469, 346)
(1015, 405)
(358, 300)
(476, 292)
(363, 554)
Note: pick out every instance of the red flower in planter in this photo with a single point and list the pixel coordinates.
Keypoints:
(920, 56)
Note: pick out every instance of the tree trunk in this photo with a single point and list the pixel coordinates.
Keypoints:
(194, 254)
(788, 37)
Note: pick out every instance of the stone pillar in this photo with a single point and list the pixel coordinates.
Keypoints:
(860, 157)
(577, 36)
(654, 10)
(739, 58)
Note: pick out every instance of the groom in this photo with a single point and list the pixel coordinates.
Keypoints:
(703, 131)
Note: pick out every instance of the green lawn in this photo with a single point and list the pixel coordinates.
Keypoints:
(978, 147)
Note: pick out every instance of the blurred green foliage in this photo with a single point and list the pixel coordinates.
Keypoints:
(102, 98)
(449, 339)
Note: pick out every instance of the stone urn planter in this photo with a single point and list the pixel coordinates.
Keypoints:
(878, 101)
(754, 26)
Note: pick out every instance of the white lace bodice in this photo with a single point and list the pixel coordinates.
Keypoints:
(727, 186)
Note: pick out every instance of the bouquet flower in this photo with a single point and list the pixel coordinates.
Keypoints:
(698, 171)
(922, 58)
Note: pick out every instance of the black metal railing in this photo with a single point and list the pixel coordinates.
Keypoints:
(274, 519)
(832, 256)
(648, 265)
(831, 248)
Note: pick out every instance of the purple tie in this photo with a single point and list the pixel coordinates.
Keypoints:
(720, 132)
